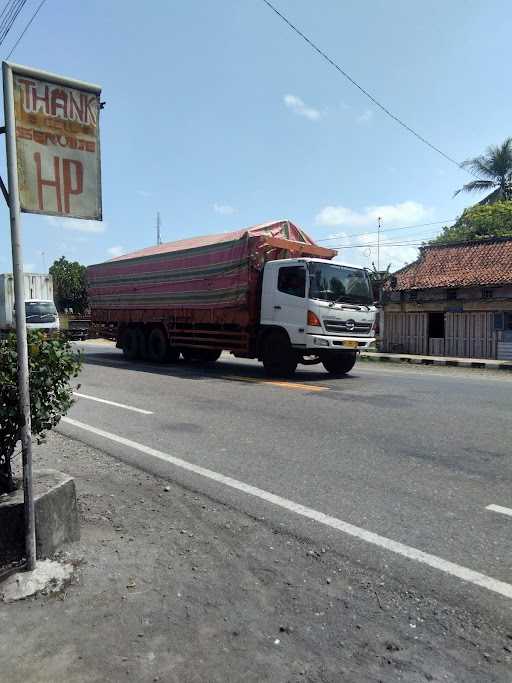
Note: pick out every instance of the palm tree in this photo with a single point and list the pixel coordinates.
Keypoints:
(496, 168)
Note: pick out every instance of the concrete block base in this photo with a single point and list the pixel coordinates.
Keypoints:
(56, 516)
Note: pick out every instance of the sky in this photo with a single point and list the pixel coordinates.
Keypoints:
(220, 117)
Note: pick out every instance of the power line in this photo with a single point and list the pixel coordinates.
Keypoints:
(366, 246)
(5, 8)
(27, 26)
(412, 241)
(360, 87)
(375, 241)
(10, 17)
(404, 227)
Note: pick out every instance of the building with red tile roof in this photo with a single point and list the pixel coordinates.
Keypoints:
(454, 300)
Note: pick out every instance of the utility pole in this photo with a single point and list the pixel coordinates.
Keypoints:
(43, 256)
(379, 222)
(21, 326)
(158, 235)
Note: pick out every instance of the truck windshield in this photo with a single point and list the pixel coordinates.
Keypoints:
(332, 282)
(40, 311)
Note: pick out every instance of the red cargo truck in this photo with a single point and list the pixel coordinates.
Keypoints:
(266, 292)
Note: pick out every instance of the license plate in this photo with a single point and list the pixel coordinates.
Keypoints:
(350, 344)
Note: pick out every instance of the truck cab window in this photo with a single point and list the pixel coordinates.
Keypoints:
(292, 280)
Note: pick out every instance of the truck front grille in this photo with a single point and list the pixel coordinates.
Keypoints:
(340, 327)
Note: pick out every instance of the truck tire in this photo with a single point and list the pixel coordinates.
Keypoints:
(339, 363)
(158, 346)
(279, 359)
(142, 341)
(130, 344)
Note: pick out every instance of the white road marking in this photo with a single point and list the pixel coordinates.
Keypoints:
(501, 509)
(459, 571)
(113, 403)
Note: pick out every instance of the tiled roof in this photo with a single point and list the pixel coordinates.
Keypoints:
(462, 264)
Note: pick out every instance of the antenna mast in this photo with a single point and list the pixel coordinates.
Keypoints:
(158, 234)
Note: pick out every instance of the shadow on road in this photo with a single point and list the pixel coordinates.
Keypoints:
(223, 368)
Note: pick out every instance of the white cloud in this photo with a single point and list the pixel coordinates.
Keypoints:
(116, 250)
(77, 224)
(28, 267)
(396, 256)
(224, 209)
(393, 215)
(299, 107)
(365, 117)
(144, 193)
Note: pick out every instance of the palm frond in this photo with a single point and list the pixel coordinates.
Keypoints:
(480, 166)
(476, 186)
(496, 163)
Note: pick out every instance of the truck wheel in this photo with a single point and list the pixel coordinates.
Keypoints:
(279, 359)
(158, 346)
(130, 344)
(339, 363)
(142, 341)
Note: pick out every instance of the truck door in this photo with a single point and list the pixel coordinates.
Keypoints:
(290, 302)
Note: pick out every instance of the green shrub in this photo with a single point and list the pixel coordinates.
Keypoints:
(52, 365)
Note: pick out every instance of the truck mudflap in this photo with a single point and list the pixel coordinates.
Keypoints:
(321, 342)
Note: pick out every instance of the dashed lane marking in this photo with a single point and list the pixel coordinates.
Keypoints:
(500, 509)
(113, 403)
(456, 570)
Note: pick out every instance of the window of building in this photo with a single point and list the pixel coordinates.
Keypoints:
(292, 280)
(451, 294)
(413, 296)
(499, 321)
(487, 293)
(436, 325)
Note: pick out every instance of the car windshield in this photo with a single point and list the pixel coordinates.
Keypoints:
(332, 282)
(40, 311)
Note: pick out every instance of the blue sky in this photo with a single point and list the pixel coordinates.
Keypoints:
(219, 117)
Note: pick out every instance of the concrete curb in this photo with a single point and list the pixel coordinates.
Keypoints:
(478, 363)
(56, 516)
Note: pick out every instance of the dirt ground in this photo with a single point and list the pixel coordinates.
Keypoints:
(174, 587)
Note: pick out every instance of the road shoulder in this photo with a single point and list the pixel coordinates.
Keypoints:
(173, 586)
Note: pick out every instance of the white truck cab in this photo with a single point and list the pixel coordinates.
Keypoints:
(40, 311)
(326, 308)
(41, 314)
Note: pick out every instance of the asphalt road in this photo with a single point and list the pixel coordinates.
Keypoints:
(414, 455)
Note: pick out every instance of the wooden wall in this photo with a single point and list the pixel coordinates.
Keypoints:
(405, 333)
(467, 335)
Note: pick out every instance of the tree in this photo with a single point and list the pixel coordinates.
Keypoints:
(69, 284)
(52, 364)
(495, 167)
(377, 280)
(479, 222)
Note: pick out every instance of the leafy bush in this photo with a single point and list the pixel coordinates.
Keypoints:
(52, 364)
(479, 222)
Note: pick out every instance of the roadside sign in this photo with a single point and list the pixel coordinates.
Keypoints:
(53, 165)
(57, 144)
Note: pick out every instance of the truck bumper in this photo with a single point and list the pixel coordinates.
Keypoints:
(315, 342)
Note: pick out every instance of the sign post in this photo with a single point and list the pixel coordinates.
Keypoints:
(53, 168)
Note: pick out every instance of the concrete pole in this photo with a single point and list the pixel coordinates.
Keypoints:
(21, 326)
(379, 224)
